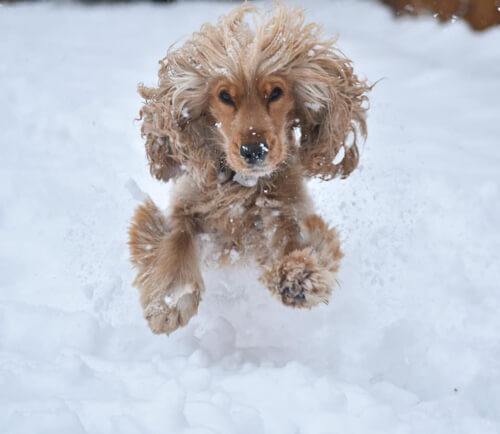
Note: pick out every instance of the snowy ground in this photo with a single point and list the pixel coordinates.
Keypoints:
(410, 344)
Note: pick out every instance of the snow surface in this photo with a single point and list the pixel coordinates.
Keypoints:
(409, 344)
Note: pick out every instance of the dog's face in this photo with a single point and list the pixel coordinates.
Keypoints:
(254, 120)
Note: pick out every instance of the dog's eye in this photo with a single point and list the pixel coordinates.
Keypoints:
(275, 94)
(226, 98)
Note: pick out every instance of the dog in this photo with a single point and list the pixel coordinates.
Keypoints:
(243, 113)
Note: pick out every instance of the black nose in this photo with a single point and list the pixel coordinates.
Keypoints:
(254, 152)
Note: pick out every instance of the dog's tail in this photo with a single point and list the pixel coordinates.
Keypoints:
(148, 227)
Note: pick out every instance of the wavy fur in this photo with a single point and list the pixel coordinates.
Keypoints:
(331, 99)
(271, 220)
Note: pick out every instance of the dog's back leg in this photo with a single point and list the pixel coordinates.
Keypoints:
(168, 275)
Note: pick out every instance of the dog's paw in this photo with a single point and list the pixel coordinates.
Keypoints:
(301, 281)
(167, 314)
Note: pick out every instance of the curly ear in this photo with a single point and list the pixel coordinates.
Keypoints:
(163, 162)
(332, 105)
(170, 116)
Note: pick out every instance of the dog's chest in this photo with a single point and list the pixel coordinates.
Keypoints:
(246, 219)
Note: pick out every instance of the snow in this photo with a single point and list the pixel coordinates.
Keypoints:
(172, 299)
(263, 147)
(245, 179)
(339, 156)
(409, 343)
(313, 106)
(297, 135)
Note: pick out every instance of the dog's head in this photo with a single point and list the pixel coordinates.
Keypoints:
(255, 96)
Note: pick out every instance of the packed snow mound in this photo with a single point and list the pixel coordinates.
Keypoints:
(409, 344)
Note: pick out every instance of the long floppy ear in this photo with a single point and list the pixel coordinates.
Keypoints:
(332, 104)
(171, 117)
(163, 162)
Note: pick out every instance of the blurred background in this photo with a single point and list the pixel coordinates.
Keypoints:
(480, 14)
(410, 342)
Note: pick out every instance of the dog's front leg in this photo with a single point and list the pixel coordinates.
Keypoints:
(303, 261)
(165, 256)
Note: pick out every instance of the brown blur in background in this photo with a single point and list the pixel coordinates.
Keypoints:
(480, 14)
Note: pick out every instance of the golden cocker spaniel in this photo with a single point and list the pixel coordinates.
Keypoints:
(244, 111)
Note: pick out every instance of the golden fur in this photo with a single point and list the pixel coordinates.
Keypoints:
(194, 136)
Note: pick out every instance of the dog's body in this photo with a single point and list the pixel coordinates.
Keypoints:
(241, 116)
